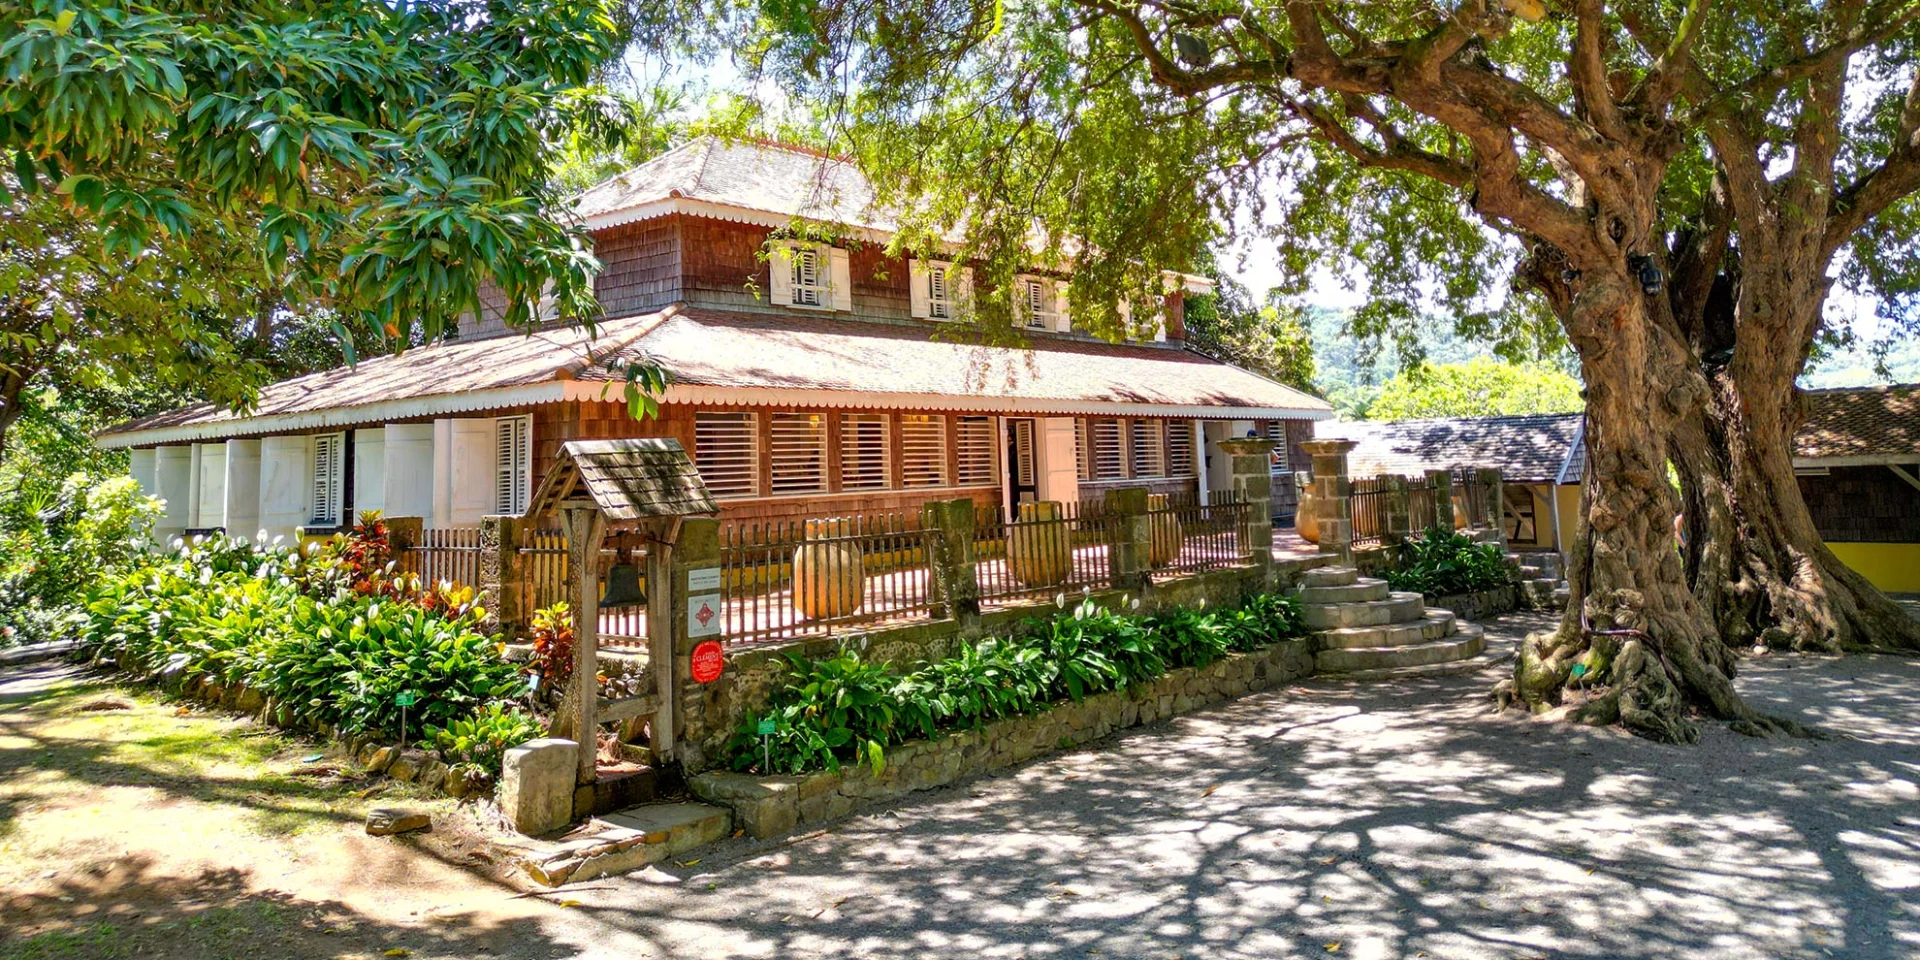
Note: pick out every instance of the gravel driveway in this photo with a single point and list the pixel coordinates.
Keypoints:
(1377, 821)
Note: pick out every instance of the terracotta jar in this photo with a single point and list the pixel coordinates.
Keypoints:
(829, 576)
(1040, 554)
(1306, 517)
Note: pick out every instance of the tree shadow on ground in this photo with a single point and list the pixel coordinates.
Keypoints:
(1367, 821)
(126, 910)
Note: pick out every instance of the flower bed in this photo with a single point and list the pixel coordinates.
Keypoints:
(326, 639)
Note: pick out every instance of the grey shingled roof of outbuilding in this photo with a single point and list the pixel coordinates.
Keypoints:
(631, 479)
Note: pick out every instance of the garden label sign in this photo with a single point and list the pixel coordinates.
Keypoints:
(708, 662)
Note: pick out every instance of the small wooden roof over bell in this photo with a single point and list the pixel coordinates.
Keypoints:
(627, 479)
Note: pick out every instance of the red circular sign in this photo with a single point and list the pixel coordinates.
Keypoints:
(708, 662)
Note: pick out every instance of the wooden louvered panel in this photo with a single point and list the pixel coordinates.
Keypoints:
(799, 462)
(863, 451)
(726, 449)
(1180, 462)
(923, 450)
(978, 436)
(1148, 449)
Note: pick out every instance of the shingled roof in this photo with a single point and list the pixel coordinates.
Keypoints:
(1530, 448)
(778, 181)
(1865, 424)
(627, 479)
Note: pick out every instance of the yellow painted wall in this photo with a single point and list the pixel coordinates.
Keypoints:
(1569, 495)
(1893, 567)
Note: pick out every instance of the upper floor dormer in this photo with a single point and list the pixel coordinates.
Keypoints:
(711, 224)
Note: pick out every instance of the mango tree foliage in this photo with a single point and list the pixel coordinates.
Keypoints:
(1482, 387)
(1270, 339)
(1672, 182)
(378, 161)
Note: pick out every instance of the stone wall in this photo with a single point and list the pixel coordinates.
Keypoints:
(1479, 604)
(712, 712)
(767, 806)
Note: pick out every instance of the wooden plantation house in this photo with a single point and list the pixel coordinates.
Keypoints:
(807, 379)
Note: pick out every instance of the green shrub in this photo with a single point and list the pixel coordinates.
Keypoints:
(51, 552)
(478, 742)
(843, 709)
(330, 639)
(1445, 562)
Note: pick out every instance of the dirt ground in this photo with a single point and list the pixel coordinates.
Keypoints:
(135, 827)
(1325, 820)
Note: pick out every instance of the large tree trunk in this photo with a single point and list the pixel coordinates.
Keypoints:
(1763, 571)
(1634, 646)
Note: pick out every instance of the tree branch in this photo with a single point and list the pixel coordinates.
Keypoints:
(1876, 26)
(1591, 95)
(1893, 180)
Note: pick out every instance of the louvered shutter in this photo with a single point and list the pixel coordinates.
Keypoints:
(1108, 452)
(1082, 450)
(798, 463)
(840, 279)
(512, 455)
(978, 436)
(1276, 430)
(863, 451)
(327, 451)
(923, 450)
(726, 451)
(1148, 449)
(921, 283)
(1180, 448)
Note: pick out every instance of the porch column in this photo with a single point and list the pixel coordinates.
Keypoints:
(286, 485)
(172, 483)
(369, 471)
(1059, 466)
(1333, 497)
(407, 471)
(1253, 483)
(243, 488)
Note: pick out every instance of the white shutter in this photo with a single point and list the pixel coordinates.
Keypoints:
(919, 283)
(780, 275)
(799, 457)
(841, 280)
(726, 451)
(1061, 320)
(863, 451)
(512, 454)
(978, 436)
(923, 450)
(327, 463)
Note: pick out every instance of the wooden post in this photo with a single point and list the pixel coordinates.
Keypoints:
(661, 598)
(585, 529)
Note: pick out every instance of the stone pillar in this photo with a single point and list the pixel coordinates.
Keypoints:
(1333, 494)
(1494, 508)
(692, 584)
(403, 533)
(955, 586)
(1442, 483)
(1129, 556)
(1396, 511)
(1251, 465)
(501, 574)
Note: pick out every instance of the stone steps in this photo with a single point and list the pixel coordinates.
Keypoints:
(1433, 626)
(1468, 641)
(1329, 577)
(626, 841)
(1399, 607)
(1489, 657)
(1361, 590)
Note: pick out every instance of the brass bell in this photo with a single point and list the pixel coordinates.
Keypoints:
(623, 588)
